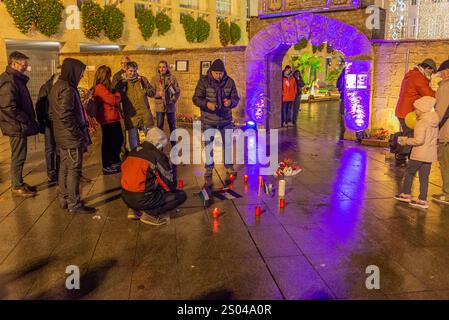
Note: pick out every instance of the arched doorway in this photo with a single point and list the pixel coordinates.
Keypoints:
(268, 47)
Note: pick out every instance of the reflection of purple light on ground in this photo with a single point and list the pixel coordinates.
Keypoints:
(349, 181)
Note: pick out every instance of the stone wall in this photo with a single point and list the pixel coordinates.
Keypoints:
(356, 18)
(132, 39)
(234, 58)
(391, 61)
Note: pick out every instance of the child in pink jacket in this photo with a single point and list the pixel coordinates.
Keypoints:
(424, 151)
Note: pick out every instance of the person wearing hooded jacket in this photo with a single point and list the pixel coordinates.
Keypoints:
(149, 181)
(166, 93)
(17, 119)
(71, 134)
(216, 95)
(424, 151)
(46, 127)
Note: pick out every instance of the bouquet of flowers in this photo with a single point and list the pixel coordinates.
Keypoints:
(288, 167)
(85, 95)
(184, 118)
(380, 134)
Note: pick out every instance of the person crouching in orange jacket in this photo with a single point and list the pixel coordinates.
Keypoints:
(148, 181)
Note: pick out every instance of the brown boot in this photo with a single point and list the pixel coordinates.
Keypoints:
(23, 192)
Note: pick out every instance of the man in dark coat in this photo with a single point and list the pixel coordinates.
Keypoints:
(121, 74)
(71, 134)
(17, 119)
(216, 95)
(46, 127)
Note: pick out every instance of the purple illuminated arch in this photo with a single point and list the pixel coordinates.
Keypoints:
(268, 46)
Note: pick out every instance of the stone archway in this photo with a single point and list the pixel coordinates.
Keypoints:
(268, 47)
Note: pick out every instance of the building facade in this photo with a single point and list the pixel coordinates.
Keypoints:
(417, 19)
(73, 40)
(43, 51)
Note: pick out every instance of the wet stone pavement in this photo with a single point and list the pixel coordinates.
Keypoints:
(339, 219)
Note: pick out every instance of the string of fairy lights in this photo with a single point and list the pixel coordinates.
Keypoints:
(421, 19)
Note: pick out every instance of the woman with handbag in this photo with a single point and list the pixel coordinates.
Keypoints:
(109, 116)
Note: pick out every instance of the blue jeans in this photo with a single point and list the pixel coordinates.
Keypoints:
(170, 119)
(133, 138)
(210, 156)
(286, 112)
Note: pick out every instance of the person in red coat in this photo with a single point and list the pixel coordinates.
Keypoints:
(289, 93)
(109, 116)
(416, 84)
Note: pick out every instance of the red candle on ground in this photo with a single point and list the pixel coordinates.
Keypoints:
(281, 203)
(245, 178)
(216, 212)
(258, 211)
(180, 184)
(231, 178)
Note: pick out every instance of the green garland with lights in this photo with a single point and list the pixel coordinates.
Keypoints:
(44, 15)
(146, 22)
(114, 22)
(92, 19)
(225, 33)
(236, 33)
(202, 29)
(163, 23)
(189, 25)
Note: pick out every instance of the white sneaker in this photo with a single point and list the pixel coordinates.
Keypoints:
(440, 198)
(403, 197)
(419, 204)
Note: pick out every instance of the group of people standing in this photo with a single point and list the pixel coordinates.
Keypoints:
(148, 178)
(292, 84)
(429, 138)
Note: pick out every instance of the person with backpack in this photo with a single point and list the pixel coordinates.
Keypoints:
(424, 151)
(108, 116)
(442, 109)
(135, 90)
(46, 127)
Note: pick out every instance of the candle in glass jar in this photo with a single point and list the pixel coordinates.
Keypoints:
(281, 203)
(281, 188)
(180, 184)
(245, 178)
(258, 211)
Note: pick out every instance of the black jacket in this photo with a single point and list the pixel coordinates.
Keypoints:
(66, 112)
(118, 76)
(205, 92)
(42, 104)
(17, 116)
